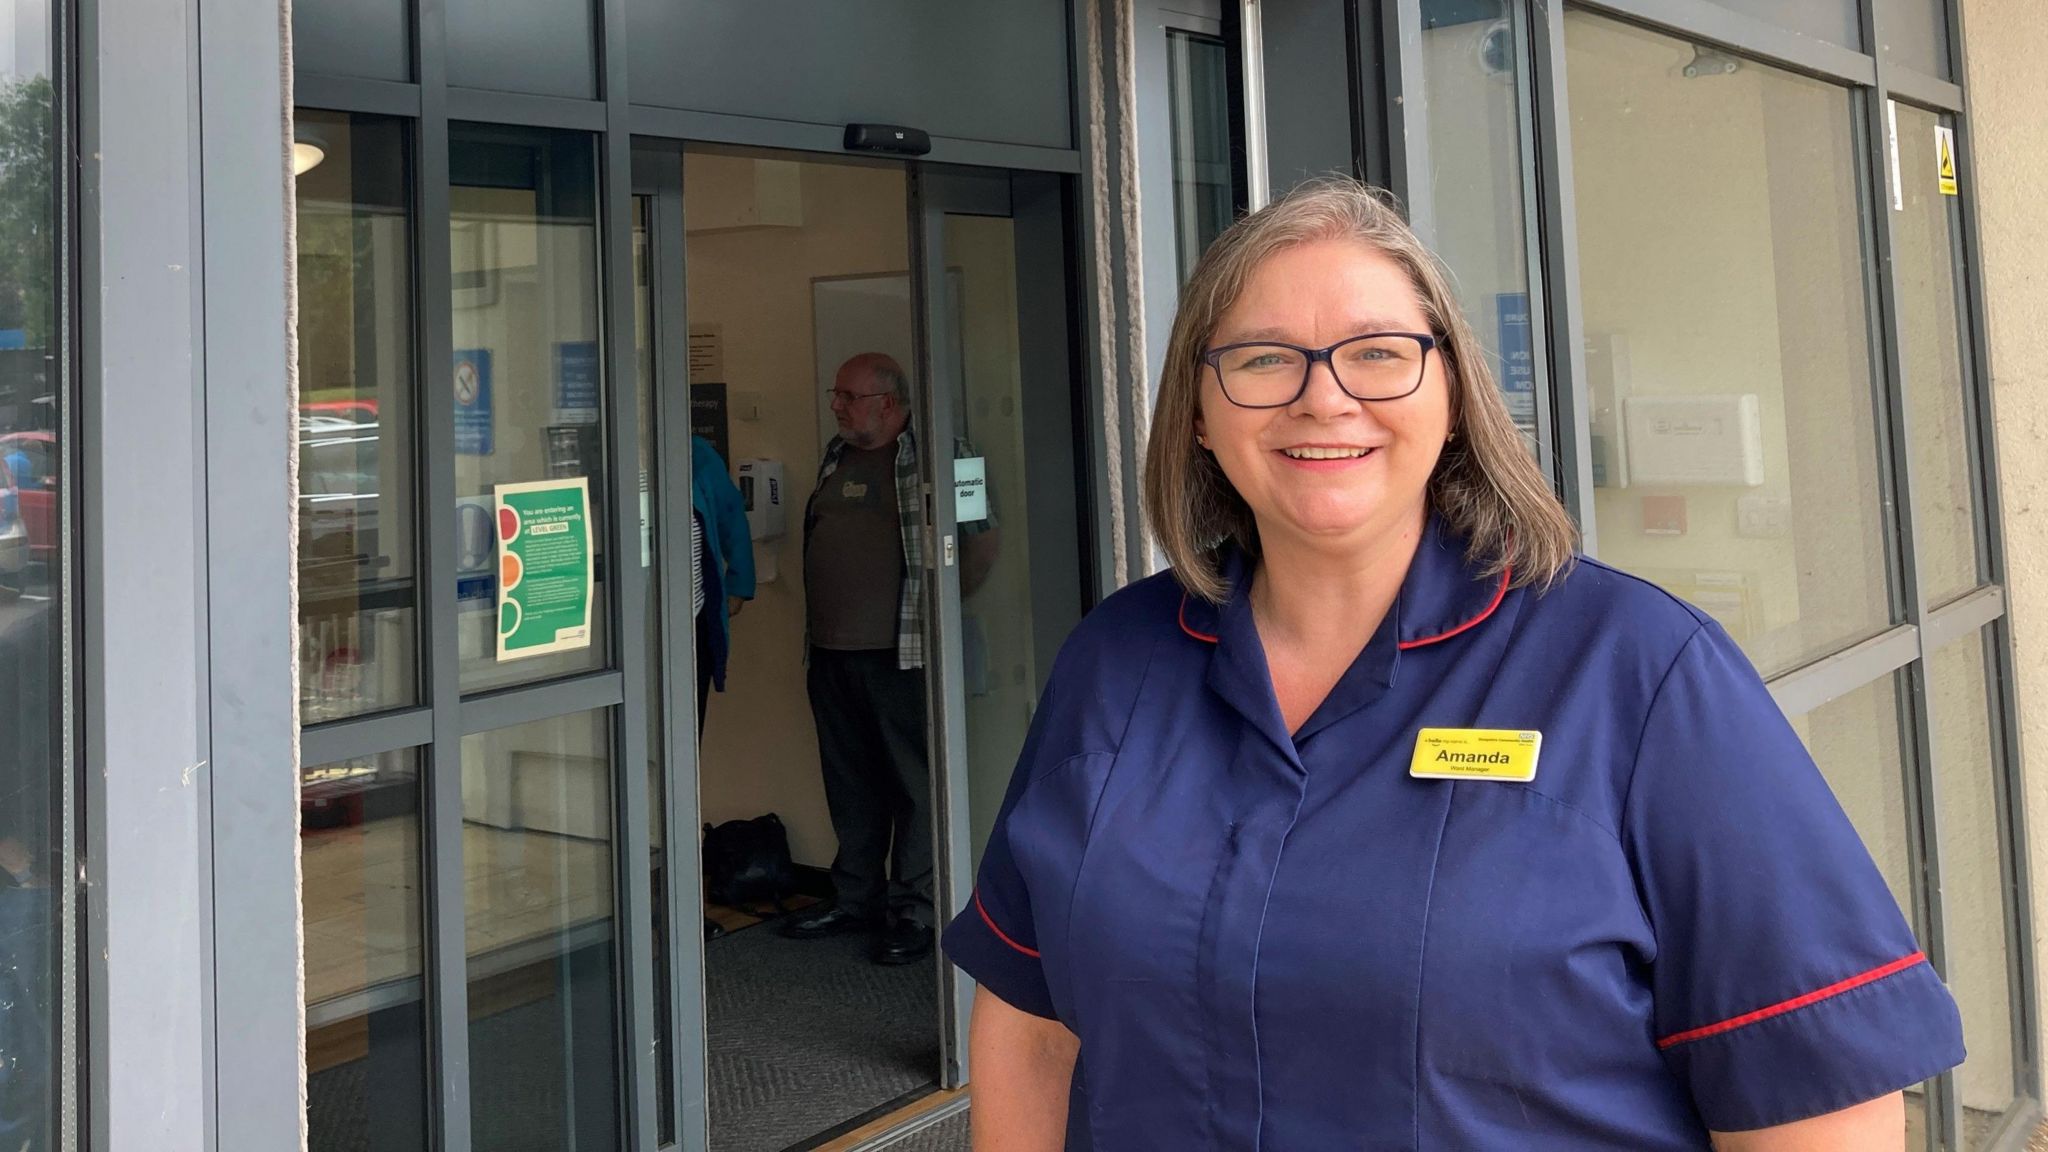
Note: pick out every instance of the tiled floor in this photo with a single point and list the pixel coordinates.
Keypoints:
(362, 890)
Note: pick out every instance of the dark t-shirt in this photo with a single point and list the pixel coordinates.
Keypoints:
(853, 566)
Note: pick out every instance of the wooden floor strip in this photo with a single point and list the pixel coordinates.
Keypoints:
(896, 1119)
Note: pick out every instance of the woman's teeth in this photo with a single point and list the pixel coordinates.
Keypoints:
(1325, 453)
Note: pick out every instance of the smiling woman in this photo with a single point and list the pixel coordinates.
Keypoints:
(1390, 741)
(1399, 297)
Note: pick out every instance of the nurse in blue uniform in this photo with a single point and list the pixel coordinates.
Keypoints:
(1385, 822)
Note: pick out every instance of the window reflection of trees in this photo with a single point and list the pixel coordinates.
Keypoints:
(30, 699)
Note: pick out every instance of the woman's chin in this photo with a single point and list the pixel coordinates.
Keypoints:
(1328, 517)
(1322, 522)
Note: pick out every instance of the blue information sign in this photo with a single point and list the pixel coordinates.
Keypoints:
(576, 382)
(1517, 357)
(473, 418)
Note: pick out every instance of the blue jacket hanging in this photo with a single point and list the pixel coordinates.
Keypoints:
(728, 547)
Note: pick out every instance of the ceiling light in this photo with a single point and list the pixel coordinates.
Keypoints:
(306, 157)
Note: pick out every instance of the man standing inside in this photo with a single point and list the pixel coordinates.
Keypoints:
(864, 589)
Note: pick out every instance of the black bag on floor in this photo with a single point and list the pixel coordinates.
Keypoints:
(747, 862)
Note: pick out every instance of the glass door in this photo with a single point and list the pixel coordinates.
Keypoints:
(1007, 541)
(664, 471)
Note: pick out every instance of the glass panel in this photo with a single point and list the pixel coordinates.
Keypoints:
(1204, 193)
(1969, 771)
(794, 268)
(1916, 35)
(529, 385)
(1858, 740)
(367, 38)
(537, 872)
(1832, 20)
(542, 47)
(1475, 75)
(1019, 568)
(1722, 268)
(657, 699)
(358, 596)
(32, 988)
(997, 72)
(1926, 247)
(366, 1073)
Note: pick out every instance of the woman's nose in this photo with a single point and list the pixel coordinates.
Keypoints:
(1324, 396)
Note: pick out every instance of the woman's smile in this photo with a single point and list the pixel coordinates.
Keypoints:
(1328, 457)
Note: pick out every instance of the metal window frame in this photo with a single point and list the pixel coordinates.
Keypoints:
(1901, 651)
(1157, 21)
(437, 726)
(446, 716)
(658, 175)
(182, 717)
(1562, 423)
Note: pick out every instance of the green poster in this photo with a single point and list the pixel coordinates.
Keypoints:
(545, 569)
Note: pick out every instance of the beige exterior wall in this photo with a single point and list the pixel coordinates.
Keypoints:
(2007, 41)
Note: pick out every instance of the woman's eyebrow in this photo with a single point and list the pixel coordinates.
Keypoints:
(1362, 327)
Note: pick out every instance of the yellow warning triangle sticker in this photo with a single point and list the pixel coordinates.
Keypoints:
(1945, 157)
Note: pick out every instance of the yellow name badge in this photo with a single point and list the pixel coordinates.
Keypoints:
(1476, 754)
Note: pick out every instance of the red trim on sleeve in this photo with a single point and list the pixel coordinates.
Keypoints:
(1204, 637)
(1796, 1003)
(1499, 594)
(1000, 934)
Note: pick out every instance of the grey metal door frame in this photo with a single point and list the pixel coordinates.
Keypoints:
(1034, 202)
(658, 185)
(934, 195)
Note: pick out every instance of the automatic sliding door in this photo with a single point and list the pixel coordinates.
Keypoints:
(1007, 566)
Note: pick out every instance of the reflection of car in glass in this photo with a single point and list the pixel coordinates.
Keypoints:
(337, 487)
(35, 488)
(14, 542)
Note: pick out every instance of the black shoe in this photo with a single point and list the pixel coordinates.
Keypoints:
(712, 929)
(831, 921)
(905, 942)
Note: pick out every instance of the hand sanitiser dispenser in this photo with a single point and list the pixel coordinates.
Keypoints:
(765, 494)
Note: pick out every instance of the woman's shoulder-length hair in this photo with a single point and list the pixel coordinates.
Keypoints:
(1487, 487)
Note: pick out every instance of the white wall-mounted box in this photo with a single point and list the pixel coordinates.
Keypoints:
(1696, 440)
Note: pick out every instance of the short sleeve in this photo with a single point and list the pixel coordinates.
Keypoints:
(994, 939)
(1786, 981)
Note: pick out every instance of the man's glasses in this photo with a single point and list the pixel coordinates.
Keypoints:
(841, 396)
(1372, 367)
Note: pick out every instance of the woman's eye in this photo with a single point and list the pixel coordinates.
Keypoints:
(1375, 353)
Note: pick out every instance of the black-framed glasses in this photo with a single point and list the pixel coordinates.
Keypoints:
(1375, 366)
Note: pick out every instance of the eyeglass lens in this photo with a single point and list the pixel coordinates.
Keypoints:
(1383, 367)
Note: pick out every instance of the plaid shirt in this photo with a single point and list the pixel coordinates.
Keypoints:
(910, 516)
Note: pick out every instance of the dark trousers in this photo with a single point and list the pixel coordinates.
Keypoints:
(871, 747)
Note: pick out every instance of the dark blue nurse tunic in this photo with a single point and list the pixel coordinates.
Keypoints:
(1286, 942)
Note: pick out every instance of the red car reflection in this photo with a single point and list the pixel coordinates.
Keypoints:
(36, 488)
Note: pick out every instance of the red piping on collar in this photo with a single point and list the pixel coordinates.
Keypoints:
(1499, 594)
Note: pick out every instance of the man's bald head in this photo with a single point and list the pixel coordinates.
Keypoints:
(874, 372)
